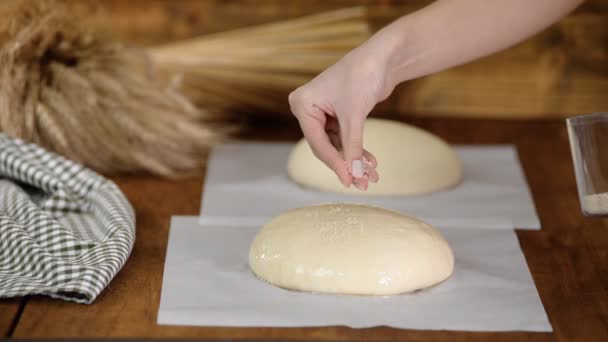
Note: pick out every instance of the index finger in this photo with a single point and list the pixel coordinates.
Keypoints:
(313, 127)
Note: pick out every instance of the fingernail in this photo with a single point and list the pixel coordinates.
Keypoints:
(361, 186)
(345, 183)
(357, 169)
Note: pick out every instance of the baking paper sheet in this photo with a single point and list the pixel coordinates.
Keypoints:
(247, 184)
(207, 282)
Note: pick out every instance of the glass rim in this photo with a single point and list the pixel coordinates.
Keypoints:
(587, 118)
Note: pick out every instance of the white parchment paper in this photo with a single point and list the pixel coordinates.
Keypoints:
(247, 184)
(207, 282)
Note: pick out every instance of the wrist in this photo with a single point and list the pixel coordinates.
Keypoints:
(398, 51)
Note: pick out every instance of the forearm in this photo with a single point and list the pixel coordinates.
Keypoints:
(449, 33)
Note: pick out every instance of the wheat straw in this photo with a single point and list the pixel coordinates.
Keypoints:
(253, 69)
(88, 98)
(70, 89)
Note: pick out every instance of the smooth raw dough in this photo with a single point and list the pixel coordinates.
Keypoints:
(410, 161)
(350, 249)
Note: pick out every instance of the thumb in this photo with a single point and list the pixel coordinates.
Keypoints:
(352, 144)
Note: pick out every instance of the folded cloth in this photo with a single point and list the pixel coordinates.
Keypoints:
(65, 231)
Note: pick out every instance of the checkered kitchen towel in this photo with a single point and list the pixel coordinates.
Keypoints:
(65, 231)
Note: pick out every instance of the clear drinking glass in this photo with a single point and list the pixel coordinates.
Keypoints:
(588, 136)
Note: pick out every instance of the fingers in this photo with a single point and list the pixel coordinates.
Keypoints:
(372, 174)
(352, 145)
(369, 175)
(370, 159)
(336, 141)
(361, 183)
(313, 127)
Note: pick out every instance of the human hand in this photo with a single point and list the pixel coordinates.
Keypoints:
(331, 110)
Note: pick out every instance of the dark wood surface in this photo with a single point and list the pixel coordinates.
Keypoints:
(559, 72)
(568, 259)
(8, 313)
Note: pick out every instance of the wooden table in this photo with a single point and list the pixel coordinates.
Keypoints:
(568, 258)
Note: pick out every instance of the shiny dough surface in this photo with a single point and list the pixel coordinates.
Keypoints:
(350, 249)
(411, 161)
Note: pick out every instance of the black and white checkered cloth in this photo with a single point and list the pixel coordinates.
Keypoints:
(65, 231)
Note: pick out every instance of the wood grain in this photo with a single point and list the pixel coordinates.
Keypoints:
(568, 259)
(560, 72)
(8, 313)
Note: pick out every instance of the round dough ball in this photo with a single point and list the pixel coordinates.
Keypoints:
(410, 161)
(350, 249)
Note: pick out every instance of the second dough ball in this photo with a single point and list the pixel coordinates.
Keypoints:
(410, 161)
(350, 249)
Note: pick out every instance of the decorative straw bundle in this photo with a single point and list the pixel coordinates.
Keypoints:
(253, 69)
(70, 89)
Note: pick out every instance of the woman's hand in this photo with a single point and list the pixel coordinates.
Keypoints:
(332, 107)
(331, 110)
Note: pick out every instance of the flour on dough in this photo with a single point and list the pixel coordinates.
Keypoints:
(350, 249)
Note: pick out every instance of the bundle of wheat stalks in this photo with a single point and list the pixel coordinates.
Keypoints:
(254, 68)
(73, 90)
